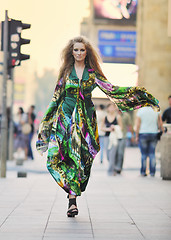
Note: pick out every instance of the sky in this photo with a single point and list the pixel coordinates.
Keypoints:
(53, 23)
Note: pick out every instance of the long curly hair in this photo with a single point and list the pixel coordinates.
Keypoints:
(92, 59)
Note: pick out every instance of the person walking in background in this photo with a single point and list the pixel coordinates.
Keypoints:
(126, 125)
(108, 125)
(100, 115)
(21, 140)
(31, 118)
(69, 128)
(166, 117)
(147, 124)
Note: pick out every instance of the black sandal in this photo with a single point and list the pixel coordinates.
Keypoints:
(74, 211)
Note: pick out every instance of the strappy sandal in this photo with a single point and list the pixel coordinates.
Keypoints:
(74, 211)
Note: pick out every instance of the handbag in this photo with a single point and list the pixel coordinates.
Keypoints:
(26, 128)
(159, 134)
(115, 136)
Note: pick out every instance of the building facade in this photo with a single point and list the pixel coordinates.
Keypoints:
(154, 48)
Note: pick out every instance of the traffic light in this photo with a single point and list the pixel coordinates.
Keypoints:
(15, 41)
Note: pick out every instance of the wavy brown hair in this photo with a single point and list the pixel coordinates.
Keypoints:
(92, 59)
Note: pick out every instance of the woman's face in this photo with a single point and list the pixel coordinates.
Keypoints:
(79, 52)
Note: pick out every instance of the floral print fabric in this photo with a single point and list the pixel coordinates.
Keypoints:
(72, 140)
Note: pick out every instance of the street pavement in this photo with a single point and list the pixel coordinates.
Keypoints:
(122, 207)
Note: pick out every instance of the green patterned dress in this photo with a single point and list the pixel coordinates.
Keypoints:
(69, 128)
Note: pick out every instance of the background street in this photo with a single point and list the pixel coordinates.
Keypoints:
(117, 207)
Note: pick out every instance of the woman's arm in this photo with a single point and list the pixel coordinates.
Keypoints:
(119, 119)
(137, 127)
(21, 121)
(160, 123)
(46, 123)
(23, 118)
(126, 98)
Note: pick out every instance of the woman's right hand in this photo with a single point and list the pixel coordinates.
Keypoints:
(112, 127)
(137, 139)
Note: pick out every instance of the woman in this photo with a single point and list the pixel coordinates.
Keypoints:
(147, 124)
(69, 129)
(31, 119)
(21, 140)
(110, 121)
(100, 112)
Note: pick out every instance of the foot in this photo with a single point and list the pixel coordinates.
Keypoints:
(72, 207)
(152, 175)
(143, 174)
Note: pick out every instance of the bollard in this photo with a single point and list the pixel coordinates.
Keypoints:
(19, 161)
(166, 155)
(19, 156)
(21, 174)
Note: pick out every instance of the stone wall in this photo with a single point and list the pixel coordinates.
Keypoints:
(154, 49)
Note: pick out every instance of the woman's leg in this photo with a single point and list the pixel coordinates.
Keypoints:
(72, 207)
(71, 196)
(30, 152)
(26, 152)
(101, 139)
(152, 148)
(143, 145)
(106, 143)
(120, 155)
(112, 158)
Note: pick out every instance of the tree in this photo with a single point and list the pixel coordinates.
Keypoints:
(45, 88)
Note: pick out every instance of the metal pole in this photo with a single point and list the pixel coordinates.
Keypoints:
(11, 125)
(4, 98)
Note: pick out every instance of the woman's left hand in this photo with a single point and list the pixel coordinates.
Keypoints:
(132, 139)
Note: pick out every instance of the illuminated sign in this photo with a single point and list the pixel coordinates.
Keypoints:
(117, 46)
(118, 11)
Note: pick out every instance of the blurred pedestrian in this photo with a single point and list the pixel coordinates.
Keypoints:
(100, 115)
(31, 118)
(108, 126)
(147, 124)
(69, 128)
(21, 139)
(166, 117)
(126, 125)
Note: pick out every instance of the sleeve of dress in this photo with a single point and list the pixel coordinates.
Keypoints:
(46, 123)
(126, 98)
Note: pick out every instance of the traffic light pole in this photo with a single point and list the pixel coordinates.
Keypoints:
(11, 125)
(4, 100)
(11, 46)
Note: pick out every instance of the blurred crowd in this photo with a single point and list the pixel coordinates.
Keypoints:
(23, 132)
(118, 130)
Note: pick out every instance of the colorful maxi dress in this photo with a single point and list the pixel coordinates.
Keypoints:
(69, 128)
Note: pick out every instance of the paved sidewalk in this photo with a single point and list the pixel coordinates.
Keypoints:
(126, 207)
